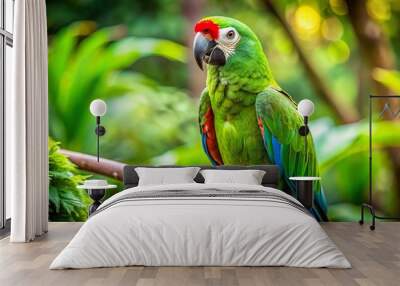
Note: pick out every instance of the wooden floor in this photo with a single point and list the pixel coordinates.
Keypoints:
(375, 257)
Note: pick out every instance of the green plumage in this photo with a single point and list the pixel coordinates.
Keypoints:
(232, 90)
(251, 111)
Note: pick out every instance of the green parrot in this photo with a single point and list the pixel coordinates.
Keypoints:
(245, 117)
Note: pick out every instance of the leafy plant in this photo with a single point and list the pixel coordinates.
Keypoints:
(343, 160)
(85, 63)
(389, 78)
(154, 120)
(66, 202)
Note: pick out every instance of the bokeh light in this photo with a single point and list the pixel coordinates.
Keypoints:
(338, 7)
(379, 10)
(332, 29)
(307, 21)
(339, 52)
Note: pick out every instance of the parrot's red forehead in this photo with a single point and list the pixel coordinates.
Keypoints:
(207, 27)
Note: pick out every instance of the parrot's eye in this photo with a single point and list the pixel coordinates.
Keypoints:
(229, 39)
(230, 35)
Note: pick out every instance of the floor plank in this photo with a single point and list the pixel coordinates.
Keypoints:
(375, 257)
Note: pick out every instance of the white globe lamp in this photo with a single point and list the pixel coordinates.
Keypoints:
(306, 107)
(98, 108)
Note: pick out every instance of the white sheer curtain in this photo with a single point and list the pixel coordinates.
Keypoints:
(27, 124)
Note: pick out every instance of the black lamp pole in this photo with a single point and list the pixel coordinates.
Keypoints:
(305, 192)
(100, 131)
(393, 115)
(303, 131)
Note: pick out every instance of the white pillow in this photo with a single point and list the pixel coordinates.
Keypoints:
(165, 176)
(248, 177)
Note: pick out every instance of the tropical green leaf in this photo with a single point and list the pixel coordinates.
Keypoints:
(344, 165)
(54, 198)
(66, 202)
(185, 155)
(335, 143)
(85, 64)
(389, 78)
(344, 212)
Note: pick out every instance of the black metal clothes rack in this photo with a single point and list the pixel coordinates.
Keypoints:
(369, 205)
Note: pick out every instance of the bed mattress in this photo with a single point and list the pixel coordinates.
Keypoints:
(201, 225)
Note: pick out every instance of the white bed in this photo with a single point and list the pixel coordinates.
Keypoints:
(202, 231)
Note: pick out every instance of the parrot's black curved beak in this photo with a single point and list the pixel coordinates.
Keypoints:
(207, 51)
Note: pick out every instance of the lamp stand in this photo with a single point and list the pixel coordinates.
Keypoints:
(304, 130)
(370, 205)
(100, 131)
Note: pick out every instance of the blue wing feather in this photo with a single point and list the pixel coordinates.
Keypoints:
(319, 197)
(281, 153)
(276, 146)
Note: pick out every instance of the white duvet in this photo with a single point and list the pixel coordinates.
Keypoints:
(200, 231)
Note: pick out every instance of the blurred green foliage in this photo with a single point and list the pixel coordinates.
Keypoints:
(390, 78)
(343, 160)
(66, 202)
(151, 119)
(85, 64)
(142, 18)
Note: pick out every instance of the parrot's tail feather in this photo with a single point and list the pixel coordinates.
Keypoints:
(320, 204)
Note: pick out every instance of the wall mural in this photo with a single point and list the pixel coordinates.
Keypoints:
(164, 71)
(245, 117)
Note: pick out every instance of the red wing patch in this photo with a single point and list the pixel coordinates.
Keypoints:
(211, 137)
(261, 126)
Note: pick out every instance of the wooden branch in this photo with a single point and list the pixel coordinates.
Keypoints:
(343, 113)
(89, 163)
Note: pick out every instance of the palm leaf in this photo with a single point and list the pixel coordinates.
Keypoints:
(82, 70)
(66, 202)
